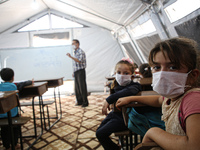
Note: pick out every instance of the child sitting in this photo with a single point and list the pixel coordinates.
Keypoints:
(7, 75)
(121, 87)
(174, 64)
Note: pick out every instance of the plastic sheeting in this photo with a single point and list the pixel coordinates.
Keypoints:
(131, 52)
(102, 54)
(190, 29)
(147, 43)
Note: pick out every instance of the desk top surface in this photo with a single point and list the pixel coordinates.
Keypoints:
(52, 79)
(6, 94)
(110, 78)
(36, 84)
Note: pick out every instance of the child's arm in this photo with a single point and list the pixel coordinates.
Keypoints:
(174, 142)
(127, 91)
(151, 100)
(21, 85)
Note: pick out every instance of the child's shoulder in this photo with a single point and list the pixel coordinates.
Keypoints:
(7, 86)
(191, 98)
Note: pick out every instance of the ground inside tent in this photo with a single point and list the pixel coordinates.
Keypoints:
(76, 129)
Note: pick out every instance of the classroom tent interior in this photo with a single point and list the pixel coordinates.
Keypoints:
(35, 35)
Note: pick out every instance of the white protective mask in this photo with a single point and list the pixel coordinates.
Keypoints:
(123, 80)
(73, 47)
(169, 84)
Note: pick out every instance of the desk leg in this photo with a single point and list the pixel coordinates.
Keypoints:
(41, 114)
(55, 103)
(58, 119)
(60, 103)
(34, 120)
(11, 130)
(42, 111)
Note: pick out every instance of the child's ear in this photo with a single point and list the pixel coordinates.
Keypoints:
(194, 76)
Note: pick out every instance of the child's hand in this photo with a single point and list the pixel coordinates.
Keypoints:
(32, 81)
(122, 101)
(105, 107)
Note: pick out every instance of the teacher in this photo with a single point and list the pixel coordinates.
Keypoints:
(79, 65)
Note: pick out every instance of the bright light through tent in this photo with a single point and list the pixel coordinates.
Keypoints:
(40, 42)
(181, 8)
(145, 28)
(58, 22)
(40, 24)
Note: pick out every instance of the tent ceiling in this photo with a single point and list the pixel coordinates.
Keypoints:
(110, 14)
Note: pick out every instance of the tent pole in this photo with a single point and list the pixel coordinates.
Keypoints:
(159, 19)
(139, 53)
(121, 47)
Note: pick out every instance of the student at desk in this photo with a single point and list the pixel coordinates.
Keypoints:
(122, 86)
(175, 78)
(7, 75)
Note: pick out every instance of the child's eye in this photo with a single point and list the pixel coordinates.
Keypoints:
(126, 73)
(119, 72)
(156, 68)
(173, 68)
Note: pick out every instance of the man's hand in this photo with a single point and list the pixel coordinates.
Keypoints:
(69, 55)
(105, 107)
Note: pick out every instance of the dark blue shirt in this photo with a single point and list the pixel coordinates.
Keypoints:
(123, 91)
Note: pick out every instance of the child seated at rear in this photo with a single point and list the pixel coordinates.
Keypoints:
(7, 75)
(174, 67)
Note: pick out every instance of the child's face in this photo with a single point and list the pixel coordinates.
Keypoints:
(123, 69)
(164, 64)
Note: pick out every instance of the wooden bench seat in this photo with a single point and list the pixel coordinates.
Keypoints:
(146, 146)
(15, 121)
(36, 103)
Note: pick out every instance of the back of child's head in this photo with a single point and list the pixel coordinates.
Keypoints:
(127, 62)
(145, 70)
(7, 74)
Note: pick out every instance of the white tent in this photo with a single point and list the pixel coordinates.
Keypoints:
(112, 29)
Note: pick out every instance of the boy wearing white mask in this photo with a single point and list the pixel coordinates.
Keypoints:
(121, 87)
(175, 77)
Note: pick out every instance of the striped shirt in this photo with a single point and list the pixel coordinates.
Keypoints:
(80, 55)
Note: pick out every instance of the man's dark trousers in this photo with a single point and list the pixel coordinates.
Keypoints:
(81, 87)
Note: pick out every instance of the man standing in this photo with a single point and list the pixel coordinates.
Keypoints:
(79, 65)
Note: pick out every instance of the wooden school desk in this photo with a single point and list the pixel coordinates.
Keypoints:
(8, 101)
(109, 80)
(146, 83)
(37, 89)
(54, 83)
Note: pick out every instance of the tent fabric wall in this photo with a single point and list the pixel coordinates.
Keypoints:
(147, 43)
(102, 52)
(131, 53)
(14, 40)
(190, 29)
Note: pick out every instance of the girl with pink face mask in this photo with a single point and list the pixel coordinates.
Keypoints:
(174, 65)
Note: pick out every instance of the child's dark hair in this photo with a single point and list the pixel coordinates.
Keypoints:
(181, 52)
(145, 70)
(7, 74)
(131, 67)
